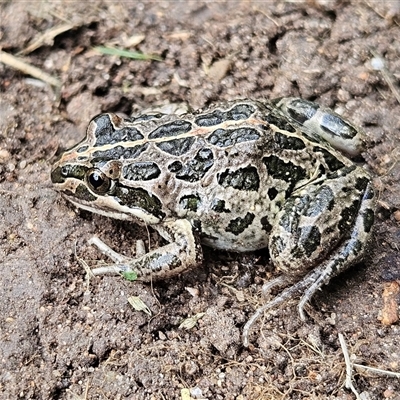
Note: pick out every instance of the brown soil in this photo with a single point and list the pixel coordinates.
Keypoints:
(62, 338)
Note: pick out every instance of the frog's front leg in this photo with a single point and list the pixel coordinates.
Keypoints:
(182, 253)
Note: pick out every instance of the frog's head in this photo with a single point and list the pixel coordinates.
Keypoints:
(90, 173)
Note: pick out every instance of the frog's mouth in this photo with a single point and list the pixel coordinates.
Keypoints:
(110, 210)
(125, 203)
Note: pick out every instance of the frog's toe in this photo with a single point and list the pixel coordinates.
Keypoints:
(280, 282)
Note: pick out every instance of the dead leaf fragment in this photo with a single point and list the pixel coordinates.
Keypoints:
(219, 70)
(189, 323)
(139, 305)
(390, 295)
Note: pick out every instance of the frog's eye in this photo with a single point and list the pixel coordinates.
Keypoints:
(64, 171)
(98, 182)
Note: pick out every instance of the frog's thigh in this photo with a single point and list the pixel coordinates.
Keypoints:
(314, 220)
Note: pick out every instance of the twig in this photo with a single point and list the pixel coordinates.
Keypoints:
(350, 365)
(28, 69)
(378, 64)
(349, 368)
(46, 38)
(378, 371)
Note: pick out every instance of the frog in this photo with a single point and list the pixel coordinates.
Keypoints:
(242, 175)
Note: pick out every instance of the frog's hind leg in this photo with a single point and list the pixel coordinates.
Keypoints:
(319, 219)
(347, 253)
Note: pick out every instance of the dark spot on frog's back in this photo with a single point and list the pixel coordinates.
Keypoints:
(238, 225)
(171, 129)
(242, 179)
(272, 193)
(190, 202)
(82, 149)
(139, 198)
(120, 152)
(176, 147)
(141, 171)
(175, 166)
(106, 133)
(219, 206)
(215, 118)
(194, 169)
(288, 142)
(240, 111)
(266, 225)
(229, 137)
(236, 113)
(331, 161)
(286, 171)
(278, 121)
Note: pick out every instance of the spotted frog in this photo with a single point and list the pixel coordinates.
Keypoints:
(238, 176)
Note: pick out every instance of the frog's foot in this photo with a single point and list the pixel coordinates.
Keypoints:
(280, 282)
(122, 263)
(308, 286)
(287, 294)
(182, 253)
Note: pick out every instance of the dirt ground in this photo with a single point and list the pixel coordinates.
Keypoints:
(62, 337)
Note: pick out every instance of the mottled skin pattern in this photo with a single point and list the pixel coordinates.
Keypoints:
(239, 176)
